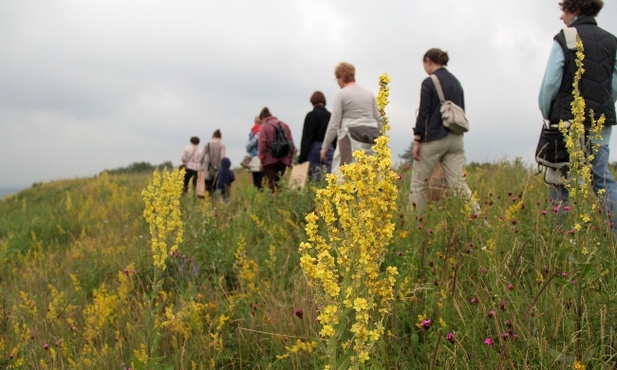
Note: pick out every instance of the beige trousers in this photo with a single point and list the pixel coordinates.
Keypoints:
(450, 151)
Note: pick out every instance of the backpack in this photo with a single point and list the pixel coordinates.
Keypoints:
(452, 116)
(281, 146)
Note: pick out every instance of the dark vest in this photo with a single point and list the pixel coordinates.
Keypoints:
(595, 84)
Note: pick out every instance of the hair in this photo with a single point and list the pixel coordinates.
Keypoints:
(217, 134)
(346, 71)
(436, 56)
(257, 119)
(265, 113)
(582, 7)
(194, 140)
(318, 98)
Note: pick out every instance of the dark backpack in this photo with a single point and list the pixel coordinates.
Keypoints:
(281, 146)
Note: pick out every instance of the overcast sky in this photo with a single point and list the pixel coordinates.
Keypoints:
(89, 85)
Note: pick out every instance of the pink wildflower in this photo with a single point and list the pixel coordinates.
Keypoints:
(488, 341)
(426, 324)
(450, 337)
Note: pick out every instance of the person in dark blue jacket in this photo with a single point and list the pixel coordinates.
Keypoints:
(432, 142)
(224, 178)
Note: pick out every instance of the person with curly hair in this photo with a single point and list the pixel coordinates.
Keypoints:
(598, 86)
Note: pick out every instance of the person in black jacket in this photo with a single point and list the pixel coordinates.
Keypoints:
(315, 125)
(224, 178)
(433, 143)
(598, 86)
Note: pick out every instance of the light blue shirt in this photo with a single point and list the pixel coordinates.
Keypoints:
(552, 81)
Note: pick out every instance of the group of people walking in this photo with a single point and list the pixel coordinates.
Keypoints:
(207, 167)
(330, 138)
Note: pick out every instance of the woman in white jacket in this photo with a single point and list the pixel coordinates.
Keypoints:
(355, 121)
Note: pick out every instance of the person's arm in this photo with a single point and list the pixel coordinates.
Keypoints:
(308, 134)
(376, 114)
(424, 111)
(261, 143)
(552, 79)
(184, 155)
(334, 124)
(614, 84)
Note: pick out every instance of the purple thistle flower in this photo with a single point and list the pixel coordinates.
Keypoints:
(491, 313)
(450, 337)
(502, 305)
(505, 335)
(474, 300)
(510, 286)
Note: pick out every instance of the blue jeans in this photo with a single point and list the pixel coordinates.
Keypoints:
(601, 179)
(317, 166)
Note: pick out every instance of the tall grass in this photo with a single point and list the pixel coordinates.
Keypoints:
(500, 290)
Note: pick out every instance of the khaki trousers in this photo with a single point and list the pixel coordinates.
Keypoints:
(450, 151)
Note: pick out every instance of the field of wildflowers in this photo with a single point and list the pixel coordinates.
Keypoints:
(120, 271)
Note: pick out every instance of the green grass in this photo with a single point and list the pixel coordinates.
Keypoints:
(76, 275)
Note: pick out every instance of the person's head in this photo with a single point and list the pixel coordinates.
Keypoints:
(318, 98)
(434, 59)
(217, 134)
(345, 73)
(265, 113)
(575, 8)
(194, 140)
(257, 120)
(225, 162)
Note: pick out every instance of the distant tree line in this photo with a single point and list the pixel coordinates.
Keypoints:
(137, 167)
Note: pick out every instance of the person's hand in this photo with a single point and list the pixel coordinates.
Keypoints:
(416, 150)
(322, 155)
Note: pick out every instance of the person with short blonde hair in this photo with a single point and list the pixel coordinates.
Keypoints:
(346, 72)
(355, 121)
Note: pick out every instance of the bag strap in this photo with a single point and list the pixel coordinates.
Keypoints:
(438, 88)
(570, 33)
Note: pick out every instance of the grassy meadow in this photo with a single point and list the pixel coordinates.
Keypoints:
(509, 288)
